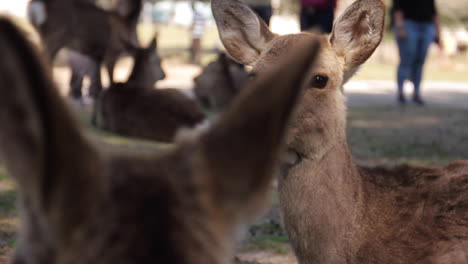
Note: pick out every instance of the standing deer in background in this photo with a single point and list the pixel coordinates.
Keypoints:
(219, 82)
(136, 109)
(82, 26)
(83, 205)
(334, 210)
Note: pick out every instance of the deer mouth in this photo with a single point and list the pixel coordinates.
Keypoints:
(290, 159)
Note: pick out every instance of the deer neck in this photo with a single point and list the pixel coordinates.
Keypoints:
(321, 199)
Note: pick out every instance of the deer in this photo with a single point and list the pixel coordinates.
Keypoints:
(219, 82)
(336, 211)
(83, 204)
(102, 35)
(136, 109)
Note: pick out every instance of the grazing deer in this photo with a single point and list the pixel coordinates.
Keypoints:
(334, 210)
(84, 205)
(82, 26)
(136, 109)
(219, 82)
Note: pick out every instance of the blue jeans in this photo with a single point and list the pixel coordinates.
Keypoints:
(311, 18)
(413, 52)
(265, 12)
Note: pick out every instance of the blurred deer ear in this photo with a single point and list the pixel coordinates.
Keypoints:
(358, 32)
(242, 32)
(240, 151)
(154, 43)
(39, 141)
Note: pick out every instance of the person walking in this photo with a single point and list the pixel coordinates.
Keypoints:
(80, 67)
(416, 25)
(198, 29)
(317, 14)
(262, 8)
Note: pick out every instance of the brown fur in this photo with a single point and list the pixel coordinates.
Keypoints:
(136, 109)
(334, 210)
(81, 205)
(102, 35)
(219, 82)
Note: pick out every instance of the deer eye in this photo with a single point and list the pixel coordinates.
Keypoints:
(319, 81)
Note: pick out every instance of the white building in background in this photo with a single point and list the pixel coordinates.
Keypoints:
(14, 7)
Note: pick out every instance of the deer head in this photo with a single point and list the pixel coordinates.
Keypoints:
(320, 120)
(319, 191)
(83, 205)
(147, 68)
(219, 82)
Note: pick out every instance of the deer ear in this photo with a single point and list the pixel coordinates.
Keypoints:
(358, 32)
(241, 149)
(243, 33)
(154, 43)
(39, 142)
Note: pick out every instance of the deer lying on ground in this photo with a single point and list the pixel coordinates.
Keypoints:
(136, 109)
(219, 82)
(82, 26)
(83, 205)
(334, 210)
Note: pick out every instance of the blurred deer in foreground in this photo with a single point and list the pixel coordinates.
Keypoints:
(103, 35)
(334, 210)
(136, 109)
(219, 82)
(83, 205)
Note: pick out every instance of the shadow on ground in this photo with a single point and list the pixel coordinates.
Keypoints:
(390, 135)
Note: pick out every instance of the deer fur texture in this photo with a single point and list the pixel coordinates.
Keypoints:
(219, 82)
(81, 204)
(136, 109)
(99, 34)
(334, 210)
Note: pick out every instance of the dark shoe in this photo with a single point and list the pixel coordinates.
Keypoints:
(401, 99)
(417, 100)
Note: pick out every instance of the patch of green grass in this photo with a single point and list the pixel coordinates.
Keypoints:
(8, 214)
(275, 197)
(8, 230)
(8, 203)
(267, 235)
(277, 243)
(2, 175)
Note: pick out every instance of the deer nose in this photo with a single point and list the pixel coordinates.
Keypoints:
(289, 159)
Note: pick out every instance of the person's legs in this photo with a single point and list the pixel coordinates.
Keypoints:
(265, 12)
(76, 82)
(426, 34)
(325, 20)
(307, 19)
(303, 20)
(96, 83)
(196, 51)
(407, 49)
(77, 74)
